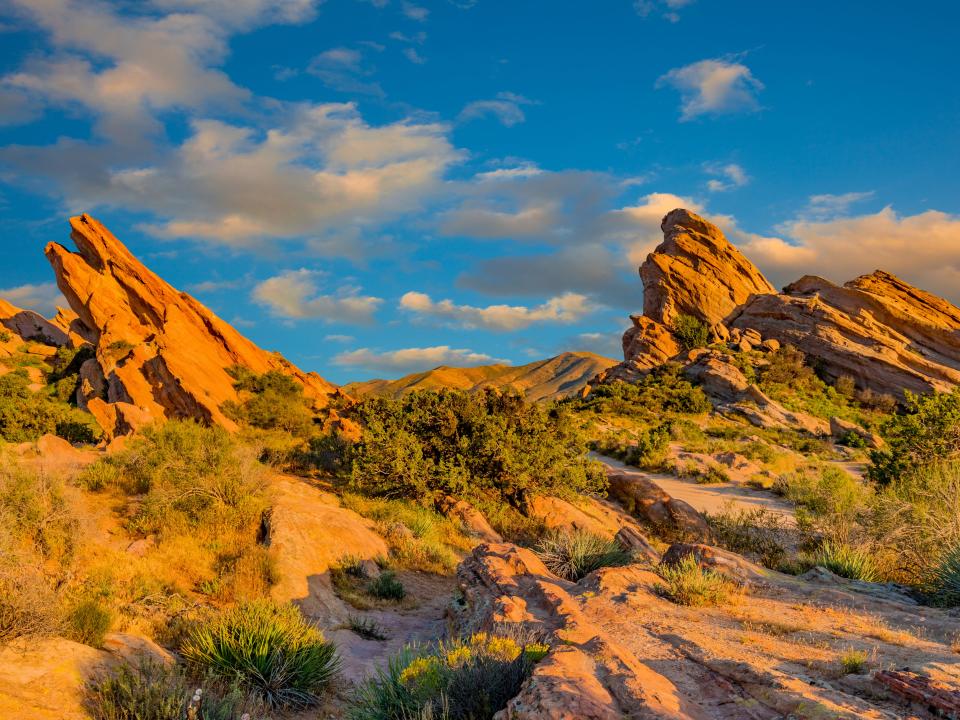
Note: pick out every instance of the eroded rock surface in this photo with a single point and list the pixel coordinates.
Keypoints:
(157, 349)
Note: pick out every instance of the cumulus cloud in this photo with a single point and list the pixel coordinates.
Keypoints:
(236, 185)
(727, 176)
(43, 298)
(505, 107)
(713, 87)
(566, 308)
(923, 249)
(294, 294)
(407, 360)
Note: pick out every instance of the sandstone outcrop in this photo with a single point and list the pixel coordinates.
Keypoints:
(885, 334)
(646, 500)
(696, 271)
(159, 352)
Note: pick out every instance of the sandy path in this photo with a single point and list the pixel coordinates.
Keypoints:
(708, 498)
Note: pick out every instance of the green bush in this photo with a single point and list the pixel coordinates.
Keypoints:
(89, 622)
(845, 561)
(645, 449)
(829, 500)
(158, 691)
(386, 587)
(853, 662)
(927, 433)
(760, 533)
(267, 648)
(467, 679)
(573, 555)
(944, 586)
(26, 415)
(366, 628)
(691, 331)
(487, 444)
(663, 390)
(270, 401)
(686, 583)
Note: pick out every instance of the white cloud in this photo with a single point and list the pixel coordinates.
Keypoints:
(294, 295)
(413, 56)
(826, 206)
(415, 12)
(922, 249)
(409, 360)
(727, 176)
(666, 8)
(343, 69)
(239, 186)
(43, 298)
(713, 87)
(566, 308)
(506, 108)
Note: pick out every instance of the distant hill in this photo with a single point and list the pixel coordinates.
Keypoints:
(552, 378)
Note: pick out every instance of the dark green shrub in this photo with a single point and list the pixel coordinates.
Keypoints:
(89, 622)
(927, 433)
(26, 415)
(663, 390)
(944, 586)
(691, 331)
(366, 628)
(574, 555)
(845, 561)
(267, 648)
(386, 587)
(270, 401)
(487, 444)
(468, 679)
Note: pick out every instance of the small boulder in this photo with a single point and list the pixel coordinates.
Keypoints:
(841, 429)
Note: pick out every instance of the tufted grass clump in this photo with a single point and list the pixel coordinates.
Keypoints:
(945, 582)
(469, 678)
(89, 622)
(152, 690)
(846, 561)
(386, 587)
(574, 555)
(366, 628)
(853, 662)
(267, 648)
(686, 583)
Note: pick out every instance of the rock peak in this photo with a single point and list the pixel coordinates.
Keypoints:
(159, 352)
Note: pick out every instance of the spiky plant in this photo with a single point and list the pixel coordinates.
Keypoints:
(573, 555)
(846, 561)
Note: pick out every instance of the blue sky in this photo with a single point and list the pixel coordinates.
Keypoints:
(378, 187)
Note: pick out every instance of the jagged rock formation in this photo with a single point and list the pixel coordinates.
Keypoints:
(556, 377)
(28, 325)
(159, 352)
(887, 335)
(696, 271)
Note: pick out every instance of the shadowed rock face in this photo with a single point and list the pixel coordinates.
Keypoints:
(159, 352)
(889, 336)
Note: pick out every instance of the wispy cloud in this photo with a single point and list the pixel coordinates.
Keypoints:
(713, 87)
(413, 56)
(727, 176)
(564, 309)
(294, 295)
(822, 207)
(43, 298)
(343, 69)
(414, 359)
(415, 12)
(505, 107)
(667, 9)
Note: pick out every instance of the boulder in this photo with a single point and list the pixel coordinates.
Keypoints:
(158, 349)
(841, 429)
(646, 500)
(472, 519)
(696, 271)
(734, 566)
(648, 344)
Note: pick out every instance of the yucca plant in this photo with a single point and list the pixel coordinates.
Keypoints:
(574, 555)
(686, 583)
(268, 648)
(846, 561)
(945, 583)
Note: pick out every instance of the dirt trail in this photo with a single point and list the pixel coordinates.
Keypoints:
(708, 498)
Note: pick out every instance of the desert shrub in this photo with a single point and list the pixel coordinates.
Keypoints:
(487, 444)
(944, 584)
(89, 622)
(846, 561)
(28, 604)
(760, 533)
(853, 662)
(692, 332)
(573, 555)
(191, 477)
(927, 433)
(645, 448)
(26, 415)
(6, 336)
(468, 679)
(713, 475)
(272, 400)
(267, 648)
(663, 390)
(386, 587)
(829, 500)
(686, 583)
(366, 628)
(152, 690)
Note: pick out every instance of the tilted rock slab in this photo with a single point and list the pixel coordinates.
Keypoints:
(696, 271)
(159, 352)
